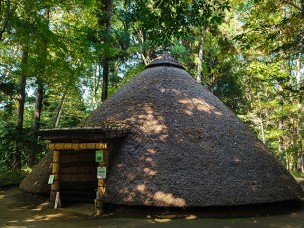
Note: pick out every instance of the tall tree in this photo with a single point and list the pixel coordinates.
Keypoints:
(300, 165)
(24, 43)
(200, 56)
(20, 108)
(105, 15)
(39, 82)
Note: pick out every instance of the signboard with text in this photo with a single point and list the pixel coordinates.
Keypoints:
(101, 172)
(99, 156)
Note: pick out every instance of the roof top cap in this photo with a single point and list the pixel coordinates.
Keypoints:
(165, 60)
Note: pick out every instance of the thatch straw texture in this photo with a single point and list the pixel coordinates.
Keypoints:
(37, 180)
(186, 148)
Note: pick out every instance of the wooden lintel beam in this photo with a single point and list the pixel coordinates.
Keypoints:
(77, 146)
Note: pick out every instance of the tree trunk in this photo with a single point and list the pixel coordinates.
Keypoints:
(260, 117)
(108, 4)
(144, 53)
(39, 97)
(36, 121)
(40, 89)
(281, 99)
(281, 120)
(262, 130)
(299, 122)
(21, 95)
(58, 112)
(38, 105)
(20, 109)
(95, 86)
(291, 123)
(105, 79)
(200, 57)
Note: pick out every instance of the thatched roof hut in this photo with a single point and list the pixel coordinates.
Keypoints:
(186, 148)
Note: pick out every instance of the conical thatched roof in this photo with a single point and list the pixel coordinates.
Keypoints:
(186, 148)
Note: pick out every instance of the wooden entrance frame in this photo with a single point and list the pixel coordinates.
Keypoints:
(81, 138)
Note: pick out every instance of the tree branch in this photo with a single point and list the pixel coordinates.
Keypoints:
(292, 4)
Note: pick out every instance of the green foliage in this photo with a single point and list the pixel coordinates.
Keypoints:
(272, 27)
(229, 90)
(8, 178)
(297, 174)
(66, 44)
(270, 43)
(29, 142)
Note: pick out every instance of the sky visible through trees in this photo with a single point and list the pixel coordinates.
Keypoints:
(59, 60)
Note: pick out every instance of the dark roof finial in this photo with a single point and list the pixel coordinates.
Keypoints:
(165, 60)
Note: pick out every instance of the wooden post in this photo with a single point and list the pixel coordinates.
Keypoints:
(55, 187)
(102, 186)
(101, 191)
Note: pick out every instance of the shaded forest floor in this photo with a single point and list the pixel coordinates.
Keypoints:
(18, 209)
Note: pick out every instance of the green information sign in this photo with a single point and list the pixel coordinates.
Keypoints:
(99, 156)
(101, 172)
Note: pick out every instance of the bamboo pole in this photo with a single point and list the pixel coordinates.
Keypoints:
(55, 187)
(77, 146)
(101, 191)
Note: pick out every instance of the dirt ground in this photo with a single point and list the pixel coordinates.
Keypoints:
(18, 209)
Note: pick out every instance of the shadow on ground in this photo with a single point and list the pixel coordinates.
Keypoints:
(18, 209)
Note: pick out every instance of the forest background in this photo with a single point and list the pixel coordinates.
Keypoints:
(59, 60)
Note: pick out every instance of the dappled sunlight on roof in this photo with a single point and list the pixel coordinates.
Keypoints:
(169, 199)
(192, 105)
(151, 150)
(152, 124)
(149, 172)
(158, 198)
